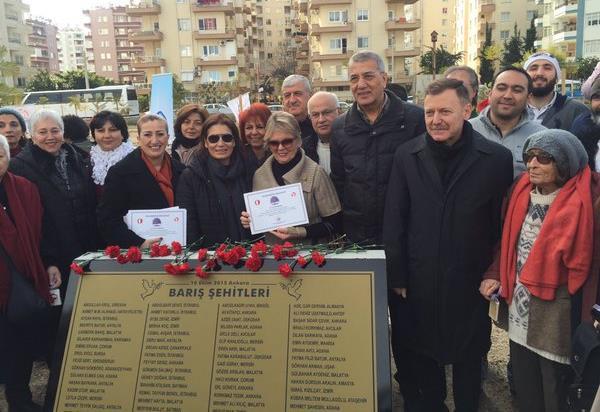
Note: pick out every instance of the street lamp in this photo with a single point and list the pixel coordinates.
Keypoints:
(434, 35)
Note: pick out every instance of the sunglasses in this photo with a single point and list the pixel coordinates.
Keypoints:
(214, 138)
(542, 158)
(274, 144)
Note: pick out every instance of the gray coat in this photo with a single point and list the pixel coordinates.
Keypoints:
(513, 140)
(563, 112)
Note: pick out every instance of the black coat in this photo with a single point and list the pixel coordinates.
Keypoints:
(439, 242)
(69, 212)
(129, 185)
(361, 160)
(309, 144)
(588, 134)
(197, 193)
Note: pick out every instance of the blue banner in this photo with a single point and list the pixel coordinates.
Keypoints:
(161, 99)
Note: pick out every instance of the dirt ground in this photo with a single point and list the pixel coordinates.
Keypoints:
(496, 397)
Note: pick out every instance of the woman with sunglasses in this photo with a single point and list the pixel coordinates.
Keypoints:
(548, 266)
(212, 187)
(289, 164)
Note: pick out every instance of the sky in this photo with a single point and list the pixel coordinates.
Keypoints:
(67, 12)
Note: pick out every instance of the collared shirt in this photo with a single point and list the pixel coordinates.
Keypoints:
(537, 115)
(386, 105)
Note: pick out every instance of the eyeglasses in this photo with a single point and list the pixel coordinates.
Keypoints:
(542, 157)
(286, 143)
(214, 138)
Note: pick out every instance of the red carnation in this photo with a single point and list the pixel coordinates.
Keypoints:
(285, 270)
(318, 258)
(112, 251)
(211, 264)
(260, 248)
(200, 272)
(176, 248)
(291, 252)
(287, 244)
(231, 258)
(301, 261)
(134, 254)
(278, 252)
(253, 263)
(122, 259)
(184, 267)
(240, 251)
(202, 254)
(171, 269)
(77, 269)
(163, 250)
(155, 250)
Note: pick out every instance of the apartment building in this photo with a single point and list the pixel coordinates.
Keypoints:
(336, 29)
(44, 44)
(110, 52)
(272, 31)
(200, 41)
(557, 26)
(438, 16)
(588, 30)
(71, 49)
(14, 34)
(469, 34)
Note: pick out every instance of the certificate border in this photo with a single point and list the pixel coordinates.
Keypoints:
(247, 202)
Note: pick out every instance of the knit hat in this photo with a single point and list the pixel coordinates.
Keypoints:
(543, 56)
(595, 89)
(563, 146)
(19, 116)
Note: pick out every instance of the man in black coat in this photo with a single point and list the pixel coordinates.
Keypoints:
(442, 221)
(587, 127)
(363, 143)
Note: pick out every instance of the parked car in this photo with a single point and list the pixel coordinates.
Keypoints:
(276, 107)
(345, 106)
(218, 108)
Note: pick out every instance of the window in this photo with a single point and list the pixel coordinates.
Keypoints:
(338, 16)
(363, 42)
(444, 22)
(592, 19)
(362, 15)
(505, 16)
(214, 76)
(19, 60)
(187, 76)
(186, 51)
(102, 32)
(504, 34)
(444, 10)
(207, 24)
(184, 24)
(335, 44)
(591, 46)
(181, 1)
(210, 50)
(231, 74)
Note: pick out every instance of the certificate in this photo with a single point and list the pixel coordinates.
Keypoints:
(280, 206)
(170, 224)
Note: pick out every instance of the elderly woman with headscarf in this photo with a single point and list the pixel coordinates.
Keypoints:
(20, 241)
(549, 265)
(289, 164)
(66, 189)
(13, 127)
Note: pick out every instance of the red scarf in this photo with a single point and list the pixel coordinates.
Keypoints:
(163, 177)
(21, 239)
(562, 252)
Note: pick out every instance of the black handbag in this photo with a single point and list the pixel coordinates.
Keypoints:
(25, 306)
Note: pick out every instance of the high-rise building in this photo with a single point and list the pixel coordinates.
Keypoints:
(467, 31)
(200, 41)
(438, 16)
(71, 49)
(273, 33)
(588, 29)
(44, 45)
(336, 29)
(558, 26)
(110, 52)
(13, 37)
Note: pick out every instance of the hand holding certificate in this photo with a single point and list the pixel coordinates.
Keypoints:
(280, 206)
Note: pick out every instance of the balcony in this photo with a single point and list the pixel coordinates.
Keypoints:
(402, 24)
(216, 61)
(302, 6)
(537, 43)
(315, 4)
(145, 36)
(127, 24)
(566, 11)
(340, 28)
(317, 57)
(402, 1)
(144, 10)
(564, 36)
(389, 52)
(213, 34)
(488, 6)
(205, 6)
(147, 62)
(337, 81)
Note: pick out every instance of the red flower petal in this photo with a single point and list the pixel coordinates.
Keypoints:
(77, 269)
(112, 251)
(176, 248)
(170, 269)
(318, 258)
(184, 268)
(285, 270)
(122, 259)
(253, 263)
(134, 254)
(163, 250)
(202, 254)
(200, 272)
(301, 261)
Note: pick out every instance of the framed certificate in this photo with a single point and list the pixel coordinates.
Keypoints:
(280, 206)
(170, 224)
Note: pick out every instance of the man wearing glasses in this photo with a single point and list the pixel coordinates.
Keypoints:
(548, 107)
(323, 109)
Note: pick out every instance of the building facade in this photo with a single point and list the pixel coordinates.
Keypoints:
(336, 29)
(557, 26)
(14, 34)
(71, 49)
(44, 44)
(588, 29)
(110, 52)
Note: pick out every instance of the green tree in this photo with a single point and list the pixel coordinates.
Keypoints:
(144, 102)
(42, 80)
(75, 102)
(179, 93)
(443, 60)
(486, 65)
(513, 49)
(530, 37)
(72, 79)
(585, 67)
(8, 94)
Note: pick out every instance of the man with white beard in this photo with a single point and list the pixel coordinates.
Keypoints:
(587, 126)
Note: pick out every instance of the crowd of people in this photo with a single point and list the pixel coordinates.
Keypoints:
(469, 206)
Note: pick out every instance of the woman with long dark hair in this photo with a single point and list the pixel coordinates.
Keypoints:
(188, 126)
